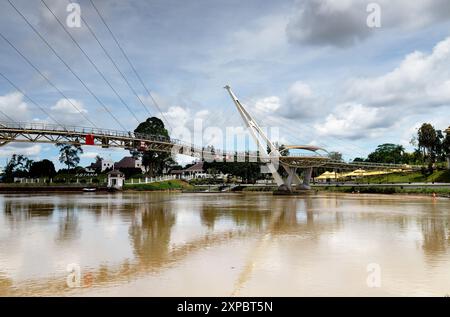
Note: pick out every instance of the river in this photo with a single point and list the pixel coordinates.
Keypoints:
(176, 244)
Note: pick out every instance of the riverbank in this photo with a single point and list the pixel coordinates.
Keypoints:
(387, 190)
(439, 176)
(21, 188)
(180, 185)
(175, 184)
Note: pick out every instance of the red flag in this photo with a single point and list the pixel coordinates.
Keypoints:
(89, 139)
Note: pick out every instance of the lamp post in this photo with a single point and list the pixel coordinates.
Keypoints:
(448, 156)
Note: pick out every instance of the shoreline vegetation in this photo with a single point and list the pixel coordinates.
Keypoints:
(183, 186)
(172, 185)
(387, 190)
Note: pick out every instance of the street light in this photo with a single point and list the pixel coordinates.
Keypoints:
(448, 157)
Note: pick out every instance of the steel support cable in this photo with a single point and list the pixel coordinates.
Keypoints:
(59, 57)
(341, 141)
(39, 72)
(32, 101)
(6, 116)
(286, 125)
(131, 64)
(114, 63)
(91, 62)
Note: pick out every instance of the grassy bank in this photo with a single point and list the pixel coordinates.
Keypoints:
(444, 192)
(175, 184)
(442, 176)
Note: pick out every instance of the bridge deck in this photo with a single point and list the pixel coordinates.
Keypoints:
(105, 138)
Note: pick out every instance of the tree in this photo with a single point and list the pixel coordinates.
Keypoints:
(154, 161)
(17, 166)
(44, 168)
(98, 159)
(446, 146)
(427, 140)
(388, 153)
(336, 156)
(68, 154)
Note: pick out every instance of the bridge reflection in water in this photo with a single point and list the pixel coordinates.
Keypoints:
(269, 245)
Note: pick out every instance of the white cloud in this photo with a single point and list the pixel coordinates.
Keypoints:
(299, 102)
(355, 121)
(420, 81)
(178, 115)
(343, 22)
(14, 107)
(268, 104)
(65, 112)
(29, 150)
(265, 35)
(302, 102)
(89, 155)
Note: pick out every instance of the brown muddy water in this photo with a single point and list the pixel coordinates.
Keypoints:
(174, 244)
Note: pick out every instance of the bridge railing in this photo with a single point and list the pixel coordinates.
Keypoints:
(74, 129)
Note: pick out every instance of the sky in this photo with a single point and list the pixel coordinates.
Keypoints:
(313, 70)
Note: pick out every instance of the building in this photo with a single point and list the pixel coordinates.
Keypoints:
(116, 179)
(130, 162)
(101, 165)
(195, 171)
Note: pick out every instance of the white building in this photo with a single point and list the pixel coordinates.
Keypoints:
(103, 165)
(116, 179)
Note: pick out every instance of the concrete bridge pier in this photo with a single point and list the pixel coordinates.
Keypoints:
(307, 173)
(292, 182)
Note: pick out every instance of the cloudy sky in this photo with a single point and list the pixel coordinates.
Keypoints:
(312, 68)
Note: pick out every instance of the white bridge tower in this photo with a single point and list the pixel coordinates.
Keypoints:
(284, 184)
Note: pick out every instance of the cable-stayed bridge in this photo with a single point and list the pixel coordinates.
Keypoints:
(289, 160)
(11, 131)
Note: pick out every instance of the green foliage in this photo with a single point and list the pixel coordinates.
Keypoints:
(389, 190)
(248, 171)
(168, 185)
(432, 147)
(44, 168)
(154, 162)
(427, 137)
(18, 166)
(68, 154)
(129, 172)
(336, 156)
(439, 176)
(388, 153)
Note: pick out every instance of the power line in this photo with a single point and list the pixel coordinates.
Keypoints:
(90, 61)
(114, 63)
(70, 69)
(32, 101)
(131, 64)
(42, 75)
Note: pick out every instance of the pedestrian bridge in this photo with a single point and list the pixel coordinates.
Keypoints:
(290, 158)
(33, 132)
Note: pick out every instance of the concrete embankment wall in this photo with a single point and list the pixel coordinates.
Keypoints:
(20, 189)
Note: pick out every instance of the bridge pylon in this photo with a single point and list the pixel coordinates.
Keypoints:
(273, 157)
